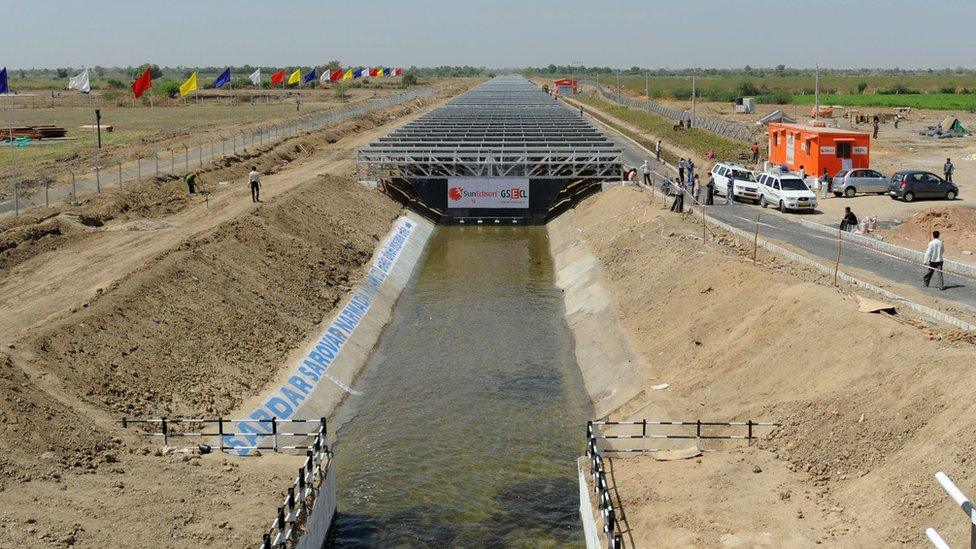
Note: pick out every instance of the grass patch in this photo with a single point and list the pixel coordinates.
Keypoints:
(695, 140)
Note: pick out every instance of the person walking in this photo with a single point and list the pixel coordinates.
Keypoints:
(646, 170)
(825, 183)
(755, 152)
(730, 190)
(254, 178)
(696, 189)
(657, 150)
(803, 174)
(849, 223)
(947, 170)
(191, 182)
(876, 127)
(681, 170)
(897, 119)
(678, 205)
(934, 258)
(710, 192)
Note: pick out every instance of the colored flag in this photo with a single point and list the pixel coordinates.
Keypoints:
(379, 72)
(278, 78)
(358, 73)
(256, 77)
(80, 82)
(347, 75)
(372, 71)
(399, 72)
(189, 85)
(336, 75)
(387, 72)
(223, 79)
(295, 77)
(3, 81)
(309, 77)
(142, 84)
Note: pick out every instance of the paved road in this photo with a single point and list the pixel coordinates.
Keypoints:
(960, 291)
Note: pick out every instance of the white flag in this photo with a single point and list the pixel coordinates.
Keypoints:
(326, 75)
(256, 77)
(81, 82)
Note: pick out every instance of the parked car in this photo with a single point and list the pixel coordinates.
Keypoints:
(744, 185)
(850, 182)
(910, 185)
(785, 191)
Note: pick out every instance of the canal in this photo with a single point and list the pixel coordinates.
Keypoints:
(473, 409)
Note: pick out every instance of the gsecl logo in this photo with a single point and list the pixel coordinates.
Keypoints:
(455, 193)
(514, 193)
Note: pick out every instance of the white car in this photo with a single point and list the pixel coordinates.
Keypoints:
(785, 191)
(744, 185)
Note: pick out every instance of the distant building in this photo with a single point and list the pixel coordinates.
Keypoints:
(565, 86)
(816, 148)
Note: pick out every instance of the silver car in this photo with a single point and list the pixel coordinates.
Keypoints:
(850, 182)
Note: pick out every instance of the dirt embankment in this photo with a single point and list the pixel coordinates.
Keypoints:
(871, 406)
(957, 226)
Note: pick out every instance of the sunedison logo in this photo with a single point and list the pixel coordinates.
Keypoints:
(505, 192)
(286, 399)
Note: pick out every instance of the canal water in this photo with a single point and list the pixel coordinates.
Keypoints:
(473, 410)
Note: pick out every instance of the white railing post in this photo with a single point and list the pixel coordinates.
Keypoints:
(963, 502)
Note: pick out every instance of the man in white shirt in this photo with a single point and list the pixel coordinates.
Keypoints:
(646, 169)
(657, 150)
(254, 178)
(933, 256)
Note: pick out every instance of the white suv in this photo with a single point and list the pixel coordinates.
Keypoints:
(744, 186)
(785, 191)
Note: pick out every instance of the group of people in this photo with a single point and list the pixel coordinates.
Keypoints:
(253, 179)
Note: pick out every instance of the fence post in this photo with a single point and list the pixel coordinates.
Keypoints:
(98, 180)
(200, 153)
(120, 176)
(156, 158)
(165, 432)
(837, 264)
(749, 433)
(644, 427)
(281, 526)
(755, 239)
(698, 432)
(220, 431)
(274, 432)
(74, 188)
(138, 168)
(47, 202)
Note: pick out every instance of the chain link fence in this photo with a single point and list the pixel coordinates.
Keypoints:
(176, 161)
(725, 128)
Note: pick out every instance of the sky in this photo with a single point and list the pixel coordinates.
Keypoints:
(496, 34)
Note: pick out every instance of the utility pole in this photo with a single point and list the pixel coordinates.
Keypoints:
(816, 94)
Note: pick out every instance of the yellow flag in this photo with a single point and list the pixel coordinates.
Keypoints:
(347, 75)
(379, 72)
(295, 77)
(189, 85)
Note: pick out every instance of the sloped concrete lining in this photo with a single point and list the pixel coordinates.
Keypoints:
(324, 372)
(605, 357)
(591, 528)
(323, 512)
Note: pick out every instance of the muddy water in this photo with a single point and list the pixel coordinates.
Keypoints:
(473, 409)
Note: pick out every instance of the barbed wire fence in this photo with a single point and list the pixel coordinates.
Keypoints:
(176, 160)
(725, 128)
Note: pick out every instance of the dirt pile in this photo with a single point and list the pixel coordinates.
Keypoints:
(957, 225)
(870, 405)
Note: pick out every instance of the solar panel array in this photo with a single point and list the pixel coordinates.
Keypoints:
(506, 127)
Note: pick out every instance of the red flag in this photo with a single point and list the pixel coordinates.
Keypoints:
(399, 72)
(142, 84)
(278, 78)
(372, 72)
(336, 75)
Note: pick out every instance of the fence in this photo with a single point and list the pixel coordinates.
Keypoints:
(177, 161)
(725, 128)
(602, 489)
(703, 430)
(963, 502)
(306, 491)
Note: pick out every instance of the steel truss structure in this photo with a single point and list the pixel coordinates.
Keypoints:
(506, 127)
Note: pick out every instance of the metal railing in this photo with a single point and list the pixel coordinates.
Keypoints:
(166, 428)
(725, 128)
(703, 430)
(302, 494)
(178, 159)
(602, 489)
(963, 502)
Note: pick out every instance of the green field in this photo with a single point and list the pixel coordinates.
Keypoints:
(841, 89)
(937, 101)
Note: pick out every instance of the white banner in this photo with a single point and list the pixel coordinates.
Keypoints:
(474, 192)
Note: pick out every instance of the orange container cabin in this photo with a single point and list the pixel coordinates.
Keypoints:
(565, 86)
(816, 148)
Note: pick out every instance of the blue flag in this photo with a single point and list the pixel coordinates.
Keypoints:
(3, 80)
(309, 77)
(387, 72)
(224, 78)
(358, 73)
